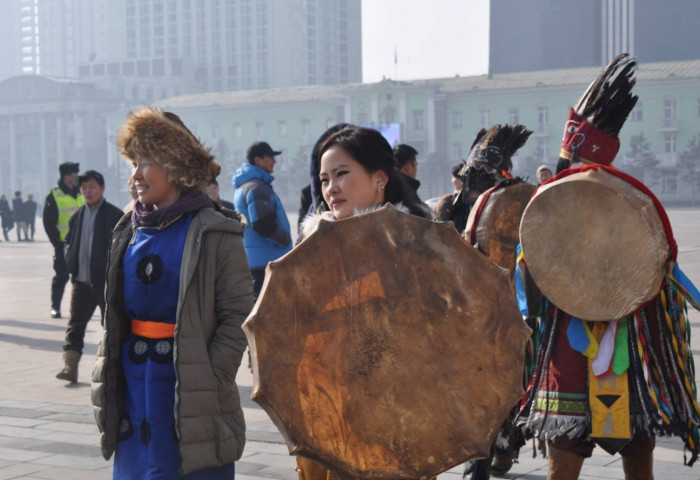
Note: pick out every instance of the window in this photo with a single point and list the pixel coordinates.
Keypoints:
(457, 120)
(305, 127)
(237, 130)
(542, 118)
(636, 115)
(418, 120)
(543, 148)
(669, 184)
(237, 157)
(457, 151)
(669, 108)
(259, 130)
(362, 119)
(485, 118)
(670, 143)
(513, 116)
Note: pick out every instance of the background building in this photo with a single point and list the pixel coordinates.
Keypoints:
(552, 34)
(19, 39)
(440, 118)
(221, 44)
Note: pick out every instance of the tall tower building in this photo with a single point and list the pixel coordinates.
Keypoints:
(73, 32)
(550, 34)
(19, 38)
(221, 44)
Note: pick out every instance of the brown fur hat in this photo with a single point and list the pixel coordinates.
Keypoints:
(162, 137)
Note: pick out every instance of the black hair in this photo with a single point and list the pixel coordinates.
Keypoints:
(371, 150)
(456, 169)
(403, 154)
(317, 201)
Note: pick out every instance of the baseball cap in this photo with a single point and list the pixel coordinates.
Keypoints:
(260, 149)
(92, 174)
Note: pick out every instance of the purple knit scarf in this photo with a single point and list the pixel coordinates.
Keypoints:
(147, 216)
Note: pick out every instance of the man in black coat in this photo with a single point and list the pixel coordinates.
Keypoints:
(86, 248)
(407, 163)
(18, 211)
(30, 215)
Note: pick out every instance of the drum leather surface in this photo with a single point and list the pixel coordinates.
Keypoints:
(594, 245)
(385, 346)
(497, 226)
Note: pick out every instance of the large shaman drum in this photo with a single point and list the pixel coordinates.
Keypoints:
(494, 221)
(595, 243)
(384, 346)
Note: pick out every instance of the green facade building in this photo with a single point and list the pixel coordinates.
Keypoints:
(440, 118)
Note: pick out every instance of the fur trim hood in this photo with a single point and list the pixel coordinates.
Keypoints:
(163, 137)
(310, 223)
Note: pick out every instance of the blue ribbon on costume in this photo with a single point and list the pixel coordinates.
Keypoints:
(520, 295)
(682, 283)
(581, 338)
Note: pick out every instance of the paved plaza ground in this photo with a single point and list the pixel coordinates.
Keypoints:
(47, 429)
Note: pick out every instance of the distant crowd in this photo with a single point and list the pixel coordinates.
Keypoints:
(22, 215)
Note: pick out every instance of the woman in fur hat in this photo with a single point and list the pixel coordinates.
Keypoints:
(178, 290)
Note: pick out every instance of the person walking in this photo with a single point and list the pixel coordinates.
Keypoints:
(270, 235)
(18, 214)
(6, 217)
(178, 289)
(61, 202)
(86, 246)
(29, 211)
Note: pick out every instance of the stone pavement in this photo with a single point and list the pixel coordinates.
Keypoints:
(47, 429)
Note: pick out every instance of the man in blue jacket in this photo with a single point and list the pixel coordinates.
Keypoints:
(269, 238)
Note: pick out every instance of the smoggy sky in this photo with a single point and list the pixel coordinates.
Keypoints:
(433, 38)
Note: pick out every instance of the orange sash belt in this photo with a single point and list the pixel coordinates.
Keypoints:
(148, 329)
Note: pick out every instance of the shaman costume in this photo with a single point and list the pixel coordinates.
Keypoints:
(488, 163)
(614, 383)
(487, 178)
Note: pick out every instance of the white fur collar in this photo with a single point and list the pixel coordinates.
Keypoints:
(310, 223)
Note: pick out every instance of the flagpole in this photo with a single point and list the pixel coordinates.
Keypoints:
(396, 61)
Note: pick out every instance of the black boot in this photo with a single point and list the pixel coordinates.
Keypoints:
(482, 469)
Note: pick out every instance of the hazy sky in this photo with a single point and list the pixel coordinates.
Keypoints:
(433, 38)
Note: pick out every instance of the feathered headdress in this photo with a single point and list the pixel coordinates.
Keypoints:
(591, 131)
(492, 149)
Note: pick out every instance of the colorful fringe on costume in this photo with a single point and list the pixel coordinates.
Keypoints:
(651, 347)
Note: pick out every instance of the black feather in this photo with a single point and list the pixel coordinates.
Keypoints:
(608, 100)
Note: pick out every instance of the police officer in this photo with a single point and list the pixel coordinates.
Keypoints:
(61, 202)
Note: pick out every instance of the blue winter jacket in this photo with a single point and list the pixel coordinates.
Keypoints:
(269, 238)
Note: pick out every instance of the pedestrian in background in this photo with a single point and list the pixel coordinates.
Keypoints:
(29, 211)
(269, 236)
(544, 173)
(18, 214)
(215, 195)
(178, 290)
(61, 202)
(86, 246)
(407, 163)
(6, 216)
